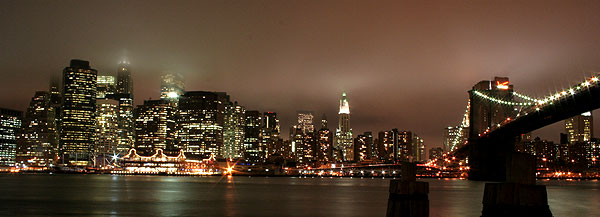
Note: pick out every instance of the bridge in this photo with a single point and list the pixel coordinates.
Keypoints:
(489, 150)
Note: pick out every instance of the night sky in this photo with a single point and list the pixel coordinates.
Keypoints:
(405, 65)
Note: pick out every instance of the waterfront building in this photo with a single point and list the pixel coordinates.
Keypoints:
(38, 143)
(161, 163)
(155, 127)
(454, 137)
(343, 134)
(78, 119)
(253, 150)
(233, 138)
(325, 143)
(200, 122)
(270, 134)
(10, 125)
(107, 127)
(387, 143)
(362, 146)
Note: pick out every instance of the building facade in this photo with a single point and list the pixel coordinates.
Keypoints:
(10, 126)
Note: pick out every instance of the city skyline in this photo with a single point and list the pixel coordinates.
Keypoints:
(378, 76)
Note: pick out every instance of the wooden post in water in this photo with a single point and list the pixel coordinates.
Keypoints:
(408, 198)
(519, 195)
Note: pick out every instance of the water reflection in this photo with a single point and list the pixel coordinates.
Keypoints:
(253, 196)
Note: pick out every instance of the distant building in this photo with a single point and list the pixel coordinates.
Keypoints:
(454, 137)
(107, 126)
(485, 114)
(106, 85)
(580, 128)
(200, 122)
(10, 125)
(124, 81)
(234, 131)
(155, 127)
(124, 95)
(38, 144)
(78, 119)
(270, 134)
(363, 146)
(325, 143)
(253, 151)
(343, 134)
(171, 86)
(305, 121)
(387, 143)
(436, 153)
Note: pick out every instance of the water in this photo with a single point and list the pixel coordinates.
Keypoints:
(253, 196)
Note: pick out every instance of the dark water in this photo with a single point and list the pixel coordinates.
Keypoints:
(78, 195)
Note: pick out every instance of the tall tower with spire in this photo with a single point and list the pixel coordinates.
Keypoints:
(343, 134)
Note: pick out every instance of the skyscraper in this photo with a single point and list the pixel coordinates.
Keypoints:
(124, 95)
(107, 126)
(233, 138)
(253, 151)
(485, 114)
(155, 127)
(580, 128)
(362, 146)
(305, 121)
(454, 136)
(78, 122)
(343, 134)
(200, 122)
(124, 80)
(105, 86)
(325, 142)
(39, 136)
(171, 86)
(270, 133)
(10, 125)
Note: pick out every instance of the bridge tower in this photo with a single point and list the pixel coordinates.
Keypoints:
(485, 114)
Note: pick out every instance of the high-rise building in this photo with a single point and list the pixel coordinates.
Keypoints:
(362, 146)
(253, 150)
(305, 121)
(78, 119)
(580, 128)
(126, 122)
(107, 126)
(387, 143)
(270, 133)
(200, 122)
(343, 134)
(325, 143)
(233, 138)
(454, 137)
(105, 86)
(124, 80)
(410, 147)
(485, 114)
(155, 127)
(10, 125)
(171, 86)
(38, 142)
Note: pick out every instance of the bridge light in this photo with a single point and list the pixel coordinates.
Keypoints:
(571, 91)
(563, 93)
(594, 79)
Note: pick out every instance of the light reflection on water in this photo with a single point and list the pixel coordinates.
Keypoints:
(254, 196)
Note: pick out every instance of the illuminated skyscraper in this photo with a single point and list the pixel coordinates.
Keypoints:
(105, 86)
(107, 126)
(388, 143)
(171, 86)
(362, 146)
(454, 135)
(233, 138)
(124, 80)
(39, 136)
(343, 134)
(78, 123)
(270, 133)
(10, 124)
(155, 127)
(305, 121)
(200, 122)
(580, 128)
(253, 151)
(325, 143)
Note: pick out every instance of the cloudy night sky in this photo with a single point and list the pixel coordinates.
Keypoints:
(404, 64)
